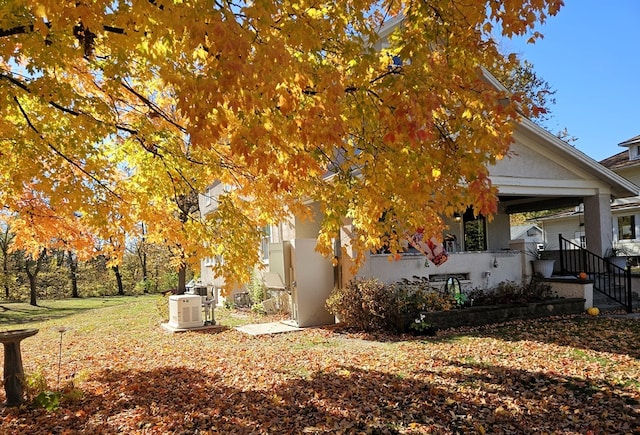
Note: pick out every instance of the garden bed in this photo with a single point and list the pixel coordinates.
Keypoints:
(484, 315)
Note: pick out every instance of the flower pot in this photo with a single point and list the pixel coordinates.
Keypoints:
(618, 261)
(543, 268)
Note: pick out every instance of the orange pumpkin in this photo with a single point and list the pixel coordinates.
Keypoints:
(582, 275)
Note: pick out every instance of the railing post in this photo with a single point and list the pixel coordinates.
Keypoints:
(627, 274)
(562, 269)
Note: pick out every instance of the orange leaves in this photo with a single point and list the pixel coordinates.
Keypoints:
(126, 108)
(562, 375)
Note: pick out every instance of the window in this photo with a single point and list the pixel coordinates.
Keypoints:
(213, 261)
(264, 243)
(208, 195)
(626, 227)
(475, 231)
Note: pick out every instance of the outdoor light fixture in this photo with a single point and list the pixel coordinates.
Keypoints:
(495, 261)
(457, 217)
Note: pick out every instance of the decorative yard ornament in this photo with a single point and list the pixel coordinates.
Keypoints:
(593, 311)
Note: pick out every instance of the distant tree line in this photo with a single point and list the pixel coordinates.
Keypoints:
(55, 274)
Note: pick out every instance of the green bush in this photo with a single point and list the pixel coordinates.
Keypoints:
(144, 286)
(256, 289)
(40, 395)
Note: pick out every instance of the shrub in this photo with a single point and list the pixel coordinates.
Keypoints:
(162, 306)
(418, 295)
(256, 289)
(40, 395)
(366, 304)
(508, 292)
(258, 308)
(144, 286)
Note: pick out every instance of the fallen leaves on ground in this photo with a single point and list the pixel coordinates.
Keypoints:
(562, 375)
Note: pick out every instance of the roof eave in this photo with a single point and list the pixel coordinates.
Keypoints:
(620, 186)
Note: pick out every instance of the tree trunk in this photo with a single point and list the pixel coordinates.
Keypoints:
(142, 256)
(182, 279)
(32, 289)
(5, 274)
(32, 268)
(5, 241)
(188, 205)
(72, 261)
(116, 271)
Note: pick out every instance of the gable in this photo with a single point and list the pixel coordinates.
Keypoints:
(529, 163)
(543, 165)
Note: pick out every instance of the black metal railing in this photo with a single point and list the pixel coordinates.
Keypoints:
(608, 278)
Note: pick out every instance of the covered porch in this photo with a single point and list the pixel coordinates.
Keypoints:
(542, 173)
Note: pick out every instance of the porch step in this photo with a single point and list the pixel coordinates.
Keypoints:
(605, 303)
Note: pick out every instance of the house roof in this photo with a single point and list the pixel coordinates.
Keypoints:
(588, 174)
(547, 173)
(520, 231)
(619, 205)
(619, 161)
(562, 151)
(620, 186)
(633, 141)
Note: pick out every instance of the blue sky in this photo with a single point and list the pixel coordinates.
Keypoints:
(590, 55)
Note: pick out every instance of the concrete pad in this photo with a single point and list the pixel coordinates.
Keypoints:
(172, 328)
(268, 328)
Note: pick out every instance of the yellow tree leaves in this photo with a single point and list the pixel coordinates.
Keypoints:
(112, 110)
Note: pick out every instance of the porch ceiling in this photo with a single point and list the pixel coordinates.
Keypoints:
(519, 204)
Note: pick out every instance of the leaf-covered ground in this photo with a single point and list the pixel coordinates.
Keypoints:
(563, 375)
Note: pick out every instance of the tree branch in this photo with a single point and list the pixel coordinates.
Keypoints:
(61, 154)
(153, 107)
(58, 106)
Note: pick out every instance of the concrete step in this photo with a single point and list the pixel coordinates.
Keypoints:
(604, 302)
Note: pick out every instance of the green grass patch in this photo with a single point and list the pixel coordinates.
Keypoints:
(18, 313)
(581, 354)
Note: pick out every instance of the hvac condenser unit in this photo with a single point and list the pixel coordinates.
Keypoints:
(185, 311)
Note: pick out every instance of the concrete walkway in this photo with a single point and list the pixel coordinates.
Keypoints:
(623, 316)
(268, 328)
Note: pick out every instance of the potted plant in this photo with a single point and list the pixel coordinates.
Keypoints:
(617, 255)
(543, 261)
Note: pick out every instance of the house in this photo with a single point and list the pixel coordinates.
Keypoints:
(543, 173)
(530, 233)
(624, 232)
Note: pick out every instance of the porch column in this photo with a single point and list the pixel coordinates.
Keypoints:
(598, 226)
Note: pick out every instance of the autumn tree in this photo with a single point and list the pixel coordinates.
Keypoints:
(32, 267)
(6, 237)
(142, 254)
(72, 264)
(524, 79)
(112, 109)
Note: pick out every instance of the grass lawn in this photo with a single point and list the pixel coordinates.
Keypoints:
(562, 375)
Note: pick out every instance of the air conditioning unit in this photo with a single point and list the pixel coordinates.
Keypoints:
(185, 311)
